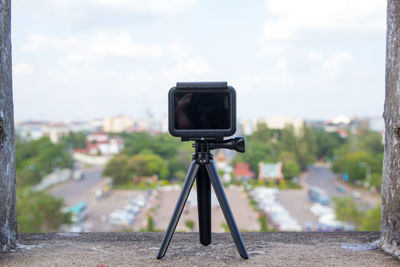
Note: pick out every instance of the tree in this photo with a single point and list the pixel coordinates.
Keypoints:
(149, 164)
(347, 211)
(303, 156)
(39, 212)
(37, 158)
(290, 169)
(350, 164)
(372, 220)
(308, 137)
(326, 143)
(74, 140)
(262, 133)
(255, 152)
(289, 140)
(176, 154)
(371, 141)
(123, 168)
(119, 169)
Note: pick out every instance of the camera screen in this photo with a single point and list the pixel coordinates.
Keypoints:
(201, 111)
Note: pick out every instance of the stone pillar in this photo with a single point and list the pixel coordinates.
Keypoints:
(390, 236)
(8, 217)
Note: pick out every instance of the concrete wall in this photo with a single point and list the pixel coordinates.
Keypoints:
(8, 220)
(390, 240)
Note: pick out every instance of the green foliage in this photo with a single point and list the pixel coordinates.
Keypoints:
(371, 141)
(376, 181)
(372, 220)
(350, 164)
(74, 140)
(363, 151)
(119, 169)
(326, 143)
(149, 164)
(37, 158)
(289, 140)
(150, 224)
(365, 220)
(123, 168)
(256, 151)
(176, 154)
(284, 145)
(262, 219)
(39, 212)
(290, 169)
(347, 211)
(225, 226)
(262, 134)
(189, 224)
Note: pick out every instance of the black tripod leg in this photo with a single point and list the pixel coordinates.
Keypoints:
(187, 185)
(204, 206)
(223, 202)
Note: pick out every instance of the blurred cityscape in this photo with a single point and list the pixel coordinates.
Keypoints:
(125, 174)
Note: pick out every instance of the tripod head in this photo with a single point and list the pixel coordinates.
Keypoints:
(236, 144)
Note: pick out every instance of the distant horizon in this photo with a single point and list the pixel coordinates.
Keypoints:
(165, 116)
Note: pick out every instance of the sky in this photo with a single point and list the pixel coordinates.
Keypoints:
(310, 59)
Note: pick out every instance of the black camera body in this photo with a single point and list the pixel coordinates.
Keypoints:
(202, 110)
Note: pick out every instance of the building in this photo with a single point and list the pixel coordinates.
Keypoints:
(101, 144)
(275, 122)
(270, 171)
(117, 124)
(242, 171)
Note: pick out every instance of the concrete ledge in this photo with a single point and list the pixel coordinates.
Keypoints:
(140, 249)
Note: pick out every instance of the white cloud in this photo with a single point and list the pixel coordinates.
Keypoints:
(156, 6)
(21, 68)
(187, 69)
(74, 8)
(101, 44)
(315, 56)
(289, 19)
(266, 81)
(334, 65)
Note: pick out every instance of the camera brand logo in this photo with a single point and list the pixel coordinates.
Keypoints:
(226, 102)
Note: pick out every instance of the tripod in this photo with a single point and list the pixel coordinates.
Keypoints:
(203, 169)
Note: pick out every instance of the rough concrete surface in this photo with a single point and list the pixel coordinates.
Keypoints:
(140, 249)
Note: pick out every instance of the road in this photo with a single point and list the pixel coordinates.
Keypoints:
(245, 216)
(74, 191)
(296, 200)
(324, 178)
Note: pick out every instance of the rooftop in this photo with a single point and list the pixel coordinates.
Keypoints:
(134, 249)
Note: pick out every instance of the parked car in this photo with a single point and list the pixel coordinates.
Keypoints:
(121, 218)
(78, 175)
(318, 195)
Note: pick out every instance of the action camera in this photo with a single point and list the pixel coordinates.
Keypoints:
(202, 110)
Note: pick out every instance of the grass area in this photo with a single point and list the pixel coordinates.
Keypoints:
(272, 184)
(135, 186)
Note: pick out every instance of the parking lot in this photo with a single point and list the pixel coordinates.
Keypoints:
(245, 216)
